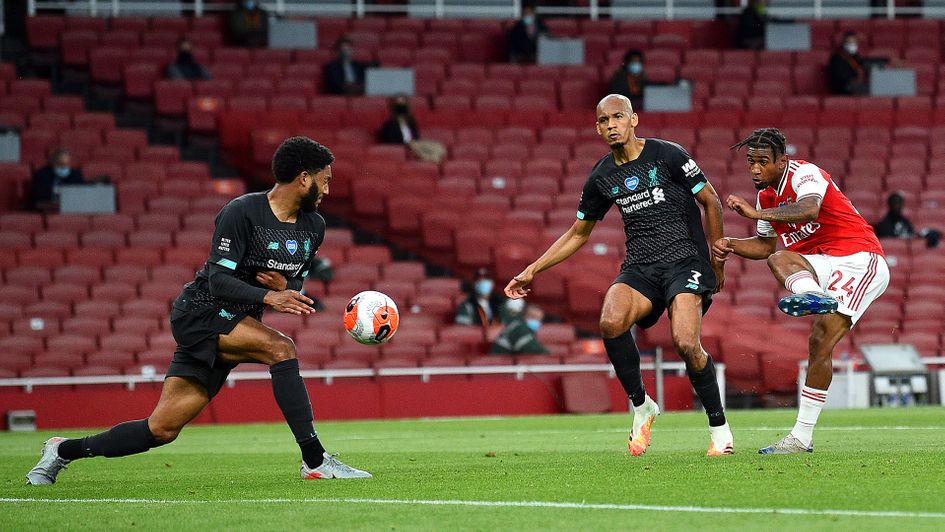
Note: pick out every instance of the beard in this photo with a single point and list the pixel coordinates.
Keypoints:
(616, 145)
(310, 201)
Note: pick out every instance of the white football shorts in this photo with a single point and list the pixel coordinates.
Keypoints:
(854, 281)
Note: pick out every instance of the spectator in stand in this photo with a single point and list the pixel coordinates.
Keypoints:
(630, 79)
(401, 128)
(186, 66)
(896, 225)
(344, 75)
(484, 307)
(249, 25)
(846, 71)
(523, 36)
(519, 335)
(750, 34)
(46, 181)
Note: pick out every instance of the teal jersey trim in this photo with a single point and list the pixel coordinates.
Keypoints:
(700, 186)
(227, 263)
(580, 215)
(305, 273)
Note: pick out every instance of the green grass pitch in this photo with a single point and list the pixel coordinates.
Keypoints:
(871, 469)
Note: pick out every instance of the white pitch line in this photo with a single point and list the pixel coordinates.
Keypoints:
(408, 435)
(502, 504)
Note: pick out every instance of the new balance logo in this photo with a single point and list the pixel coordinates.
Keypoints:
(691, 168)
(693, 280)
(658, 195)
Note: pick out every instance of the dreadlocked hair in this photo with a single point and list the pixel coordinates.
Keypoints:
(767, 137)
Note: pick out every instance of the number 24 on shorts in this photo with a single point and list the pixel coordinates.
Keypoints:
(836, 277)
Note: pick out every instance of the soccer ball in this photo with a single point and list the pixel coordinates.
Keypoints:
(371, 318)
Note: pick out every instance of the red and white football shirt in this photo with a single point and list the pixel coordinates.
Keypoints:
(839, 230)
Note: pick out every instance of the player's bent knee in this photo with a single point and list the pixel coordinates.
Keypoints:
(280, 348)
(688, 349)
(612, 327)
(777, 258)
(164, 434)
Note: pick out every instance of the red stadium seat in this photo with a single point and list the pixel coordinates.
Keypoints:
(44, 372)
(97, 370)
(48, 310)
(66, 293)
(114, 291)
(35, 327)
(462, 334)
(128, 342)
(136, 325)
(86, 326)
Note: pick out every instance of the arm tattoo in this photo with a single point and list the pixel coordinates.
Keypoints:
(801, 212)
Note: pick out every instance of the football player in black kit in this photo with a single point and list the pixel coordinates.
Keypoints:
(657, 187)
(262, 249)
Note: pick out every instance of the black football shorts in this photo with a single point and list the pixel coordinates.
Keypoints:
(197, 331)
(660, 282)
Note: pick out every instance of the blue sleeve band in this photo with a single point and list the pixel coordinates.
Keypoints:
(227, 263)
(580, 215)
(698, 187)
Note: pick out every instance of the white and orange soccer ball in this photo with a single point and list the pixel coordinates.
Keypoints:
(371, 318)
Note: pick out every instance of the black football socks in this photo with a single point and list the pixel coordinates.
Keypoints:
(130, 437)
(706, 385)
(292, 398)
(624, 355)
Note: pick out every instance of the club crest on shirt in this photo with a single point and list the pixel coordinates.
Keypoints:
(292, 246)
(632, 182)
(652, 175)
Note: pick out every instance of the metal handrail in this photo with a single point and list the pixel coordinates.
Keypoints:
(439, 9)
(330, 375)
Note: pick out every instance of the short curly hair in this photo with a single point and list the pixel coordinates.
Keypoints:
(299, 154)
(767, 137)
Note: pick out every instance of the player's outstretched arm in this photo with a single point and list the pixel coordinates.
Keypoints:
(755, 248)
(566, 245)
(712, 206)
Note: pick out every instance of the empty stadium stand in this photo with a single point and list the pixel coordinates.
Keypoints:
(89, 294)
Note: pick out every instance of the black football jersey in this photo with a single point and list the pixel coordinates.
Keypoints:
(249, 238)
(655, 195)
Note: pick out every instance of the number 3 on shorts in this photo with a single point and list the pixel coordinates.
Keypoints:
(694, 280)
(835, 278)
